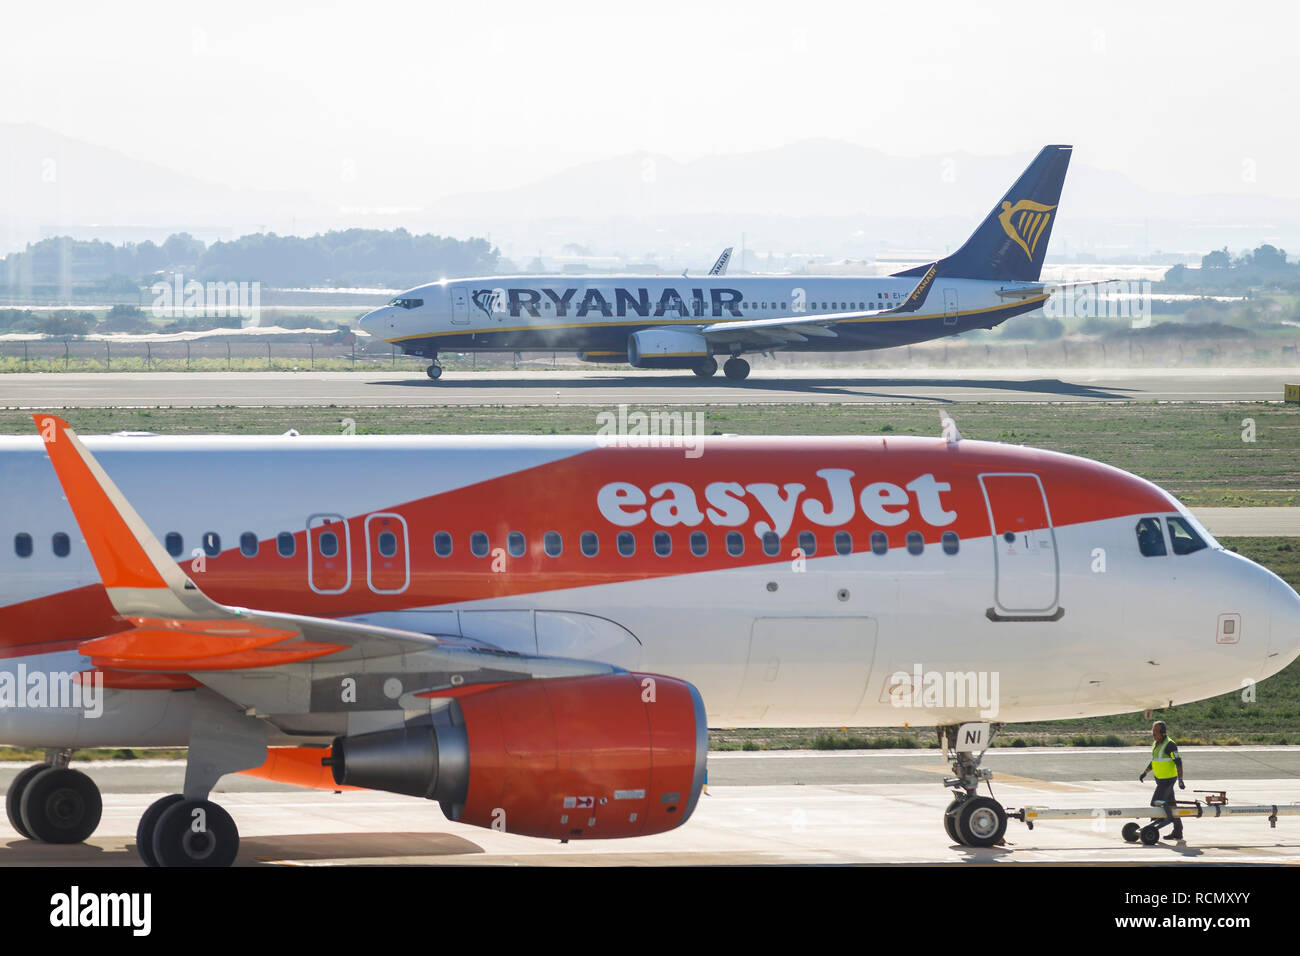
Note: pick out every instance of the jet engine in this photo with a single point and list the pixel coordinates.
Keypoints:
(666, 348)
(611, 755)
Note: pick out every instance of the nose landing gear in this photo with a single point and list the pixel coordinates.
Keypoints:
(434, 371)
(971, 820)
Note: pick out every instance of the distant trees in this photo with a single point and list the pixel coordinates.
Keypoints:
(1221, 274)
(350, 257)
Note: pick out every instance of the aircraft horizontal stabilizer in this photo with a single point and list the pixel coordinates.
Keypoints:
(1047, 288)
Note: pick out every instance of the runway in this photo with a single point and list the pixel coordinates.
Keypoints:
(566, 387)
(868, 807)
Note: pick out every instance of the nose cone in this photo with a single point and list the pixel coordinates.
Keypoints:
(376, 321)
(1284, 632)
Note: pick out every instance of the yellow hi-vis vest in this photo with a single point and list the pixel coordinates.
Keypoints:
(1162, 766)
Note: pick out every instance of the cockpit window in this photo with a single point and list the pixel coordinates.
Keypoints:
(1183, 537)
(1151, 540)
(407, 303)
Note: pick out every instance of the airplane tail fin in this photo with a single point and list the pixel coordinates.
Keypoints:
(1011, 242)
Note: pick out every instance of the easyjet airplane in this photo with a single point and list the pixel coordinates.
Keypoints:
(536, 632)
(680, 323)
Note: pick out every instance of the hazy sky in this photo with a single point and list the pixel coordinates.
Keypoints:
(374, 101)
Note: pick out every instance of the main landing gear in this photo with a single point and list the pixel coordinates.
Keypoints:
(187, 829)
(51, 803)
(706, 367)
(736, 369)
(970, 819)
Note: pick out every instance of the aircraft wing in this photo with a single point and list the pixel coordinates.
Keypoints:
(798, 328)
(1047, 288)
(720, 267)
(169, 625)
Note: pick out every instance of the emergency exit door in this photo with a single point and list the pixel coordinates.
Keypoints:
(329, 554)
(1026, 567)
(949, 306)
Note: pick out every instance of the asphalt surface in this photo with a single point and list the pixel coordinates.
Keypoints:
(567, 387)
(881, 807)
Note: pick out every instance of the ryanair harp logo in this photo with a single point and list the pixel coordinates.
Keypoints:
(489, 300)
(1025, 223)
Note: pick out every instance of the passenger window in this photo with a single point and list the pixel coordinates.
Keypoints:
(843, 542)
(248, 544)
(663, 544)
(212, 544)
(23, 544)
(771, 543)
(174, 544)
(626, 544)
(1183, 537)
(478, 544)
(1151, 540)
(879, 542)
(590, 544)
(553, 544)
(951, 543)
(61, 544)
(515, 544)
(329, 544)
(442, 544)
(915, 542)
(285, 544)
(387, 544)
(807, 543)
(699, 544)
(735, 544)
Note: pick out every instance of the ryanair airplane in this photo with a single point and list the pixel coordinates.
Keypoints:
(686, 323)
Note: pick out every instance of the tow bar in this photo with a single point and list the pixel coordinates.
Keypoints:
(1214, 805)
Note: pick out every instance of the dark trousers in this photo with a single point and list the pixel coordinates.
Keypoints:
(1164, 797)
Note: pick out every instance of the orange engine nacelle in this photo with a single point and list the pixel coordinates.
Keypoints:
(613, 755)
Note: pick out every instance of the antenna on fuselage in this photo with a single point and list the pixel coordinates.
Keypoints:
(950, 433)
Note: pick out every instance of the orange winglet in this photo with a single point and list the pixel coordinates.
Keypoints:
(120, 558)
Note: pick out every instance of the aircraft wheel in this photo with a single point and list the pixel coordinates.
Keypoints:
(148, 823)
(980, 821)
(736, 369)
(950, 821)
(1150, 835)
(434, 372)
(61, 806)
(707, 367)
(1130, 832)
(14, 798)
(194, 833)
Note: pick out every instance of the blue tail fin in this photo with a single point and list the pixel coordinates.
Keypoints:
(1011, 242)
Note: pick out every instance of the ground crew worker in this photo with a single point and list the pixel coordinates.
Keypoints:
(1167, 766)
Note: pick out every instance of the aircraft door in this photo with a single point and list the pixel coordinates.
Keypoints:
(949, 306)
(1026, 569)
(329, 554)
(388, 562)
(459, 306)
